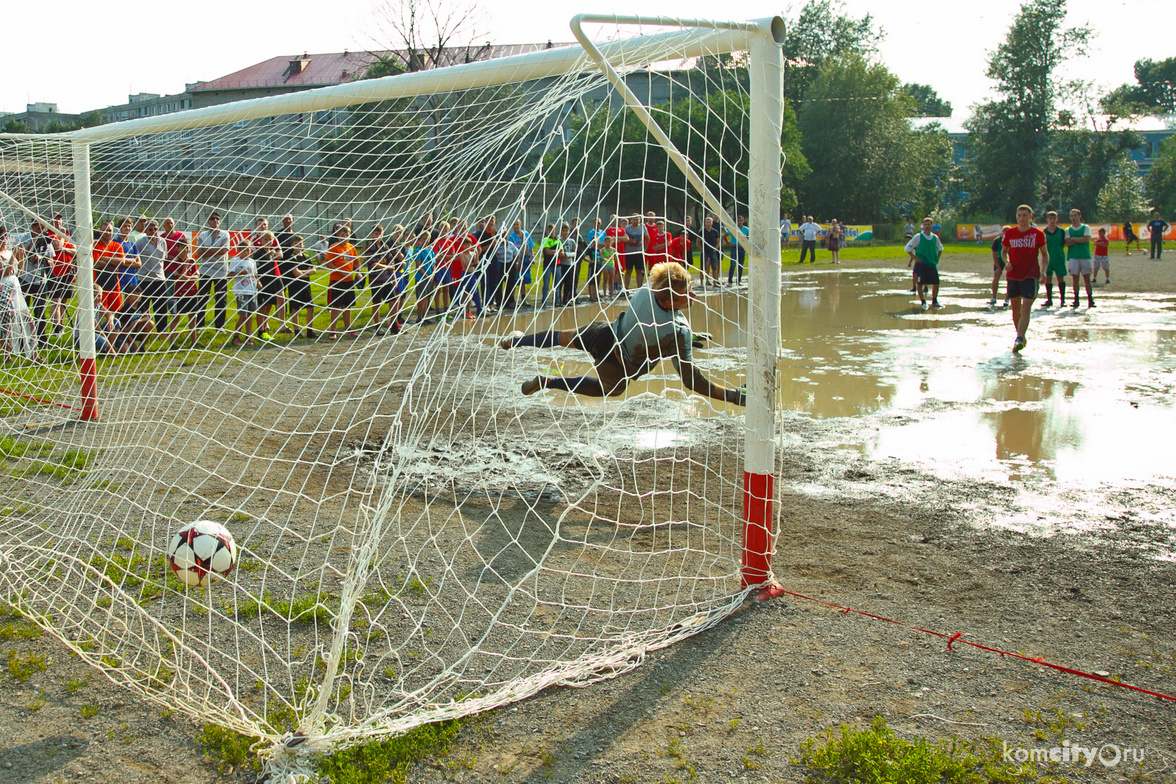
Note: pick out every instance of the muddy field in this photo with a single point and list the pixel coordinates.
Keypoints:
(891, 503)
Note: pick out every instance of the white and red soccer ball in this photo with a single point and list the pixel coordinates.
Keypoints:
(202, 552)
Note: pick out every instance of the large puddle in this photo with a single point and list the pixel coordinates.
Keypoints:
(1088, 403)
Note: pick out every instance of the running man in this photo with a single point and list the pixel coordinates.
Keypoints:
(925, 248)
(653, 328)
(1022, 247)
(1055, 243)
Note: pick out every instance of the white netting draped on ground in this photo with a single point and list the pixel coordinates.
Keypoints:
(418, 540)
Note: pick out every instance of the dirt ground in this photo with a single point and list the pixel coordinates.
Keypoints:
(735, 703)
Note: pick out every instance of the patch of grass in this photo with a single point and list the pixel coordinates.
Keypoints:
(22, 666)
(875, 755)
(16, 448)
(228, 748)
(307, 608)
(67, 466)
(88, 711)
(19, 629)
(240, 517)
(37, 702)
(388, 761)
(74, 685)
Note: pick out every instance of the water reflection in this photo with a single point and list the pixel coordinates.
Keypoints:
(1091, 388)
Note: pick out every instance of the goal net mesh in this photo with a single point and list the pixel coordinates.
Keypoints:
(418, 540)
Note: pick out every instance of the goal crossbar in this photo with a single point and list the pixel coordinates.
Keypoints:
(488, 73)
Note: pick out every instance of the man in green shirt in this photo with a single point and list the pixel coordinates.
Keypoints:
(1078, 255)
(1055, 243)
(925, 249)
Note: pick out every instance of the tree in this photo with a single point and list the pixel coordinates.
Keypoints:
(1010, 137)
(927, 101)
(430, 33)
(822, 31)
(1154, 89)
(1122, 197)
(1161, 180)
(1080, 161)
(855, 131)
(603, 146)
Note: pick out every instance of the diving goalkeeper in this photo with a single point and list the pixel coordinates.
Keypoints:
(652, 329)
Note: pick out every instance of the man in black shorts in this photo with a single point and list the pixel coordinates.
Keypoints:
(633, 258)
(295, 271)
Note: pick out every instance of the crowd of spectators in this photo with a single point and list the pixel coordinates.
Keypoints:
(156, 282)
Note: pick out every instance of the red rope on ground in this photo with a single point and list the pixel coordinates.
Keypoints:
(37, 399)
(953, 638)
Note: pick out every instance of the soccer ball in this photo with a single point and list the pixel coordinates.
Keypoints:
(201, 552)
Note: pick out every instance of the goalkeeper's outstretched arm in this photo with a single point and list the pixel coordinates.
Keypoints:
(696, 382)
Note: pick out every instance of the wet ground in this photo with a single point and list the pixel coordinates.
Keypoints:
(1084, 415)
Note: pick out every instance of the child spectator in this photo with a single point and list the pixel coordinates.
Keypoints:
(1102, 257)
(243, 274)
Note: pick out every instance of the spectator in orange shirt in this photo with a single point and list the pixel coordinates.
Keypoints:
(108, 257)
(343, 262)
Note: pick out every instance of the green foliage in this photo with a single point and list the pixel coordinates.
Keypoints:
(388, 761)
(1122, 196)
(821, 32)
(875, 755)
(641, 174)
(1079, 163)
(927, 101)
(1161, 180)
(1154, 89)
(1010, 137)
(380, 136)
(87, 120)
(855, 122)
(383, 65)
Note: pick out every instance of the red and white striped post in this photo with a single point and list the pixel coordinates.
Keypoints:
(84, 244)
(766, 69)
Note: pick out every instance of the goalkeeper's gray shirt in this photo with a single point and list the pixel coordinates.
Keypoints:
(648, 333)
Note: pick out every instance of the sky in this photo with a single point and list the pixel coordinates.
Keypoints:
(96, 54)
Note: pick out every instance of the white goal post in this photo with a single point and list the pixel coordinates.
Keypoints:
(418, 541)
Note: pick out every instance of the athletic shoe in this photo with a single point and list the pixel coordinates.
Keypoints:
(532, 386)
(1047, 304)
(266, 336)
(935, 304)
(923, 306)
(509, 340)
(1090, 303)
(1075, 305)
(992, 302)
(1018, 345)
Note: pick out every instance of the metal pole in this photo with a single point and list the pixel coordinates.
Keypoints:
(766, 66)
(84, 244)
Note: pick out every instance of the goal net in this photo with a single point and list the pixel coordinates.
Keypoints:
(418, 540)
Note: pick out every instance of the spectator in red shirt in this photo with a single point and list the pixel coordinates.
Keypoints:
(185, 278)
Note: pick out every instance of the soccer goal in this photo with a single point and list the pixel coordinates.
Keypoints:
(412, 537)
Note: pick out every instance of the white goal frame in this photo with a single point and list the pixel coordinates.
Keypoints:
(761, 38)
